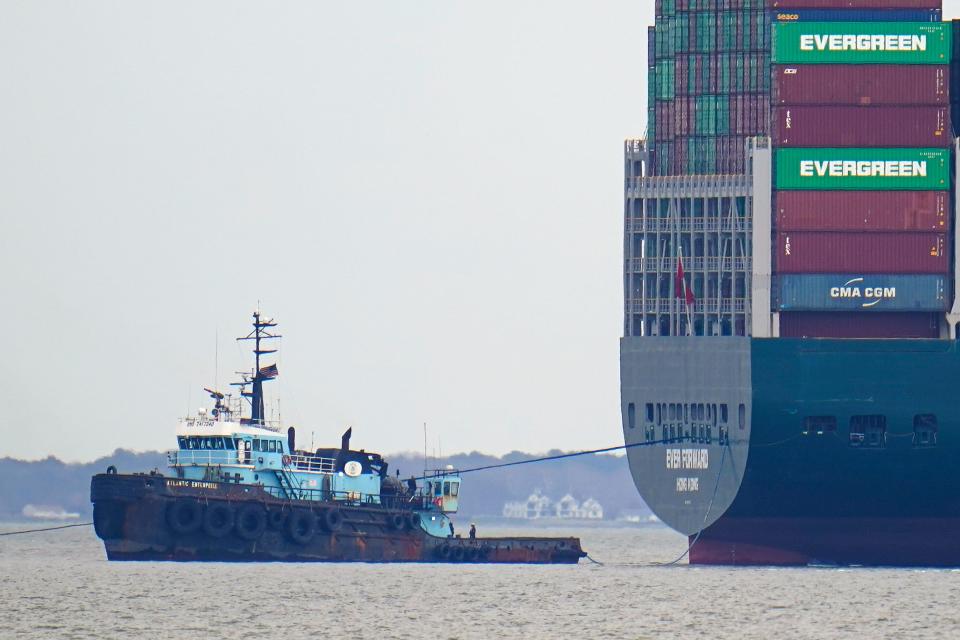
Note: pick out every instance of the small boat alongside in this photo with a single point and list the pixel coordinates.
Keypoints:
(241, 490)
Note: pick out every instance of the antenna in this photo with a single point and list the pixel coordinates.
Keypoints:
(216, 358)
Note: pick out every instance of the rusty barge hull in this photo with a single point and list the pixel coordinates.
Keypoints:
(151, 517)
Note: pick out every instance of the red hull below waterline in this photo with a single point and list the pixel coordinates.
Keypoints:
(928, 542)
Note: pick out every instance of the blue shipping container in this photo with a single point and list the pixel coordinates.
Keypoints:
(856, 15)
(867, 292)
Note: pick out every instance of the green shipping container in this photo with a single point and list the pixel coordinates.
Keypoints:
(861, 42)
(863, 169)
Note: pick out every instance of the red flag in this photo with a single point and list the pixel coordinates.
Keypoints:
(680, 286)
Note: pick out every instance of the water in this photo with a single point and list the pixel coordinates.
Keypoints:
(59, 585)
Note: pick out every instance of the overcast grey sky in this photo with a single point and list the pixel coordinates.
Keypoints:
(426, 195)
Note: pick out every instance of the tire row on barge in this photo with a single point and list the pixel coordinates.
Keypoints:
(242, 493)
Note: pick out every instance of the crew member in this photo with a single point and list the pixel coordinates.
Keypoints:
(451, 528)
(473, 530)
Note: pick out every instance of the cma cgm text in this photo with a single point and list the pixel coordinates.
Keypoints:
(863, 168)
(862, 42)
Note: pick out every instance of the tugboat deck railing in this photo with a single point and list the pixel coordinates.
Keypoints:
(215, 457)
(311, 464)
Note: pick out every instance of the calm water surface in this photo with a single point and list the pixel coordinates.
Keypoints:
(59, 585)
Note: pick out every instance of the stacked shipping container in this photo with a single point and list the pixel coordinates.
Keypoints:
(861, 131)
(709, 84)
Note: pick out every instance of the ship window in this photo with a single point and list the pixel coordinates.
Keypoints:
(631, 416)
(228, 443)
(659, 413)
(436, 488)
(454, 489)
(742, 416)
(925, 430)
(819, 425)
(649, 412)
(723, 413)
(273, 446)
(446, 488)
(673, 412)
(869, 431)
(713, 414)
(256, 445)
(182, 442)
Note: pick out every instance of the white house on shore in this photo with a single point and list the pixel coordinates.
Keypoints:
(538, 506)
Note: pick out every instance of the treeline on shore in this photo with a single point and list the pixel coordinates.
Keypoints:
(50, 484)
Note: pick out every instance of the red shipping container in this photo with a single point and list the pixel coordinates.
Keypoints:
(850, 324)
(827, 252)
(855, 4)
(831, 126)
(862, 211)
(861, 84)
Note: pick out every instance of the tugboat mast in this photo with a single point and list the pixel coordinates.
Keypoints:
(260, 374)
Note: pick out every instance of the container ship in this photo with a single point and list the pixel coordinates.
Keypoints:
(789, 343)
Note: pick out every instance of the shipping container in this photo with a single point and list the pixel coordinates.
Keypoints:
(852, 324)
(863, 293)
(861, 43)
(862, 253)
(845, 126)
(863, 169)
(856, 15)
(862, 211)
(850, 84)
(855, 4)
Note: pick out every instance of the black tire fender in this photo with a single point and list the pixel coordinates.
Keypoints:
(471, 554)
(331, 519)
(218, 519)
(443, 551)
(185, 516)
(108, 519)
(413, 521)
(395, 521)
(251, 522)
(277, 519)
(456, 554)
(301, 526)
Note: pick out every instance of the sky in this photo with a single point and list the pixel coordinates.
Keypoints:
(427, 196)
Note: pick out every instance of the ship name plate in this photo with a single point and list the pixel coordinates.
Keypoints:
(192, 484)
(688, 458)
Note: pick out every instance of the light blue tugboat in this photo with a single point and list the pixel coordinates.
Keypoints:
(241, 491)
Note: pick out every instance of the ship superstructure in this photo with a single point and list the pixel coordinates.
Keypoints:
(789, 314)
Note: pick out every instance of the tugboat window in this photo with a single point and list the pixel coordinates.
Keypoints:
(649, 412)
(454, 489)
(723, 413)
(446, 488)
(742, 416)
(631, 417)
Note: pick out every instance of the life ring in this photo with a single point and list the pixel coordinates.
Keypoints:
(396, 521)
(413, 521)
(185, 516)
(111, 470)
(286, 460)
(456, 554)
(251, 522)
(301, 526)
(218, 519)
(331, 519)
(276, 518)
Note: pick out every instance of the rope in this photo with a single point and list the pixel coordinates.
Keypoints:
(561, 456)
(592, 560)
(63, 526)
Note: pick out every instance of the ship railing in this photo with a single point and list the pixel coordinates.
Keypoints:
(668, 225)
(201, 457)
(691, 264)
(401, 501)
(311, 463)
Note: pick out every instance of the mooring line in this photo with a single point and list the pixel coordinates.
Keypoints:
(63, 526)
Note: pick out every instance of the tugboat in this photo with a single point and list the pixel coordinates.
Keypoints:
(240, 490)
